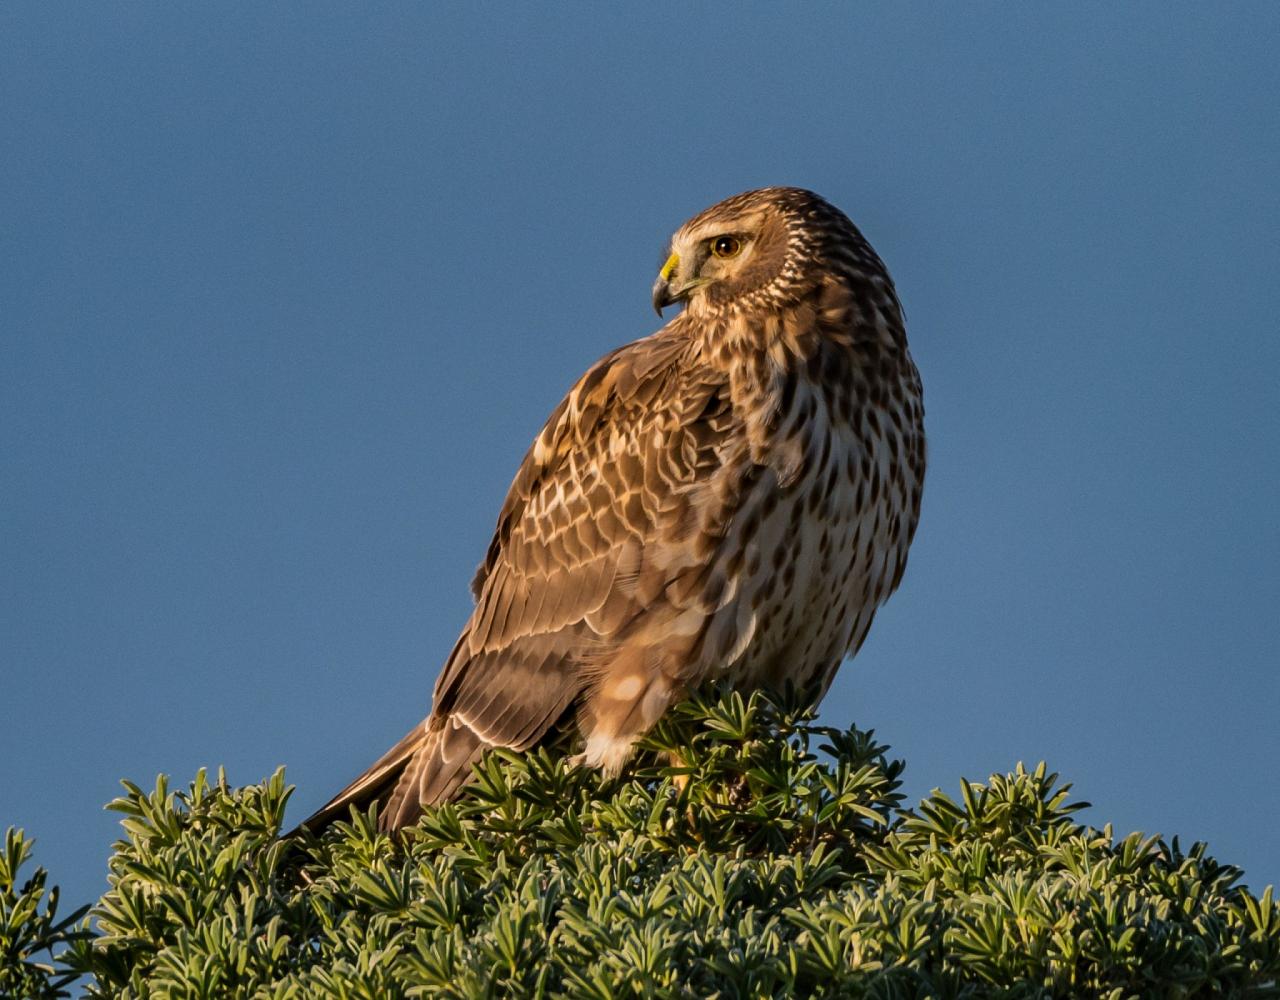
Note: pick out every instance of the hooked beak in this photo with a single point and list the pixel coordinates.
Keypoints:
(663, 295)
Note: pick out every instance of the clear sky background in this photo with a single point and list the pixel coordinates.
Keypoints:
(286, 291)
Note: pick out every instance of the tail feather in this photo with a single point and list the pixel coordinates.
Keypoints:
(509, 697)
(426, 767)
(373, 785)
(434, 773)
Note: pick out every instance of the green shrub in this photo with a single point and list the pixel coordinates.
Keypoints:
(784, 865)
(29, 930)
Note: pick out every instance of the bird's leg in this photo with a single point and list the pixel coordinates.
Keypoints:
(681, 781)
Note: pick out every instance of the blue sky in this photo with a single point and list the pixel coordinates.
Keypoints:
(286, 291)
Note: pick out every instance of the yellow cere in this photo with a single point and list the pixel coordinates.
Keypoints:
(669, 267)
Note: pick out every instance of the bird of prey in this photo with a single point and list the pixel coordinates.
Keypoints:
(727, 500)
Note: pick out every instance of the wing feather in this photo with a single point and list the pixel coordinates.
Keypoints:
(588, 536)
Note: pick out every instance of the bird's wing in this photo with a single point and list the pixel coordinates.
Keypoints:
(583, 539)
(592, 530)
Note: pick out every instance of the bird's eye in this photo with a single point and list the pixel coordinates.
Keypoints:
(726, 246)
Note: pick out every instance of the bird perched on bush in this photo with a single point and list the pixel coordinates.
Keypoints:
(728, 500)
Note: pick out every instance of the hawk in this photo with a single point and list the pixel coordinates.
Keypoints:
(727, 500)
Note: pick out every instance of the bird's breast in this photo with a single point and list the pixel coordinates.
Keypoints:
(821, 537)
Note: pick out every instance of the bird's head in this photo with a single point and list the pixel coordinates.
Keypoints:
(756, 245)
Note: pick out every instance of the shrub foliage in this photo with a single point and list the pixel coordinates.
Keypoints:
(776, 860)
